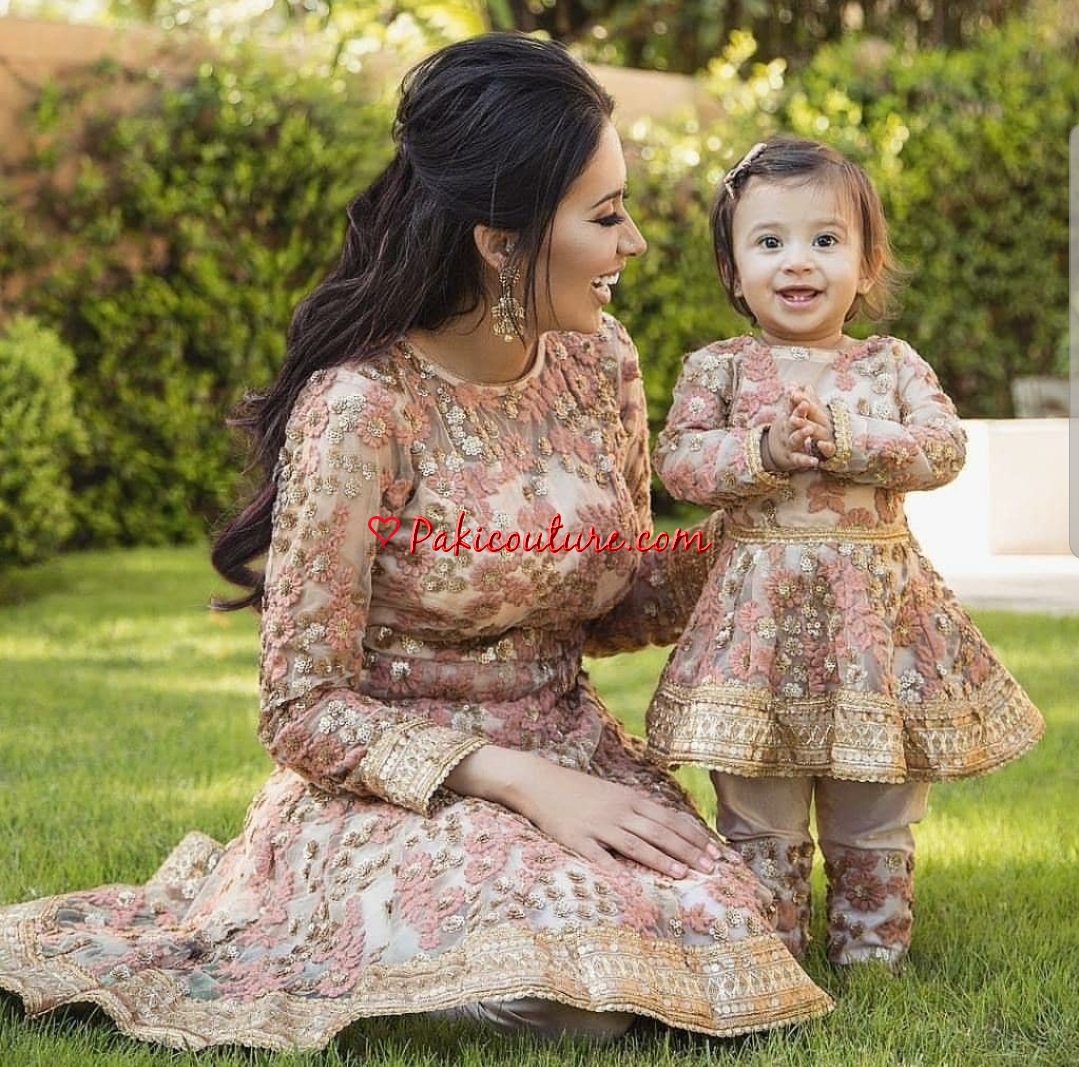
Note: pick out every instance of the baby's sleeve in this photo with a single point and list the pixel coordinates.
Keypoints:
(924, 448)
(702, 455)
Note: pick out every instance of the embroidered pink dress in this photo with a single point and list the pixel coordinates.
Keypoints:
(359, 885)
(824, 642)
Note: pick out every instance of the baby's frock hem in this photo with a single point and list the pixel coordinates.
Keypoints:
(846, 734)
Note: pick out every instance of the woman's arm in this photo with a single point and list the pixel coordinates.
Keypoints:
(663, 595)
(667, 583)
(335, 474)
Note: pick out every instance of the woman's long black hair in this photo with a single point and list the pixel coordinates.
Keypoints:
(490, 130)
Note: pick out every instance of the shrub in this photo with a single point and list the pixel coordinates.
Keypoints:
(167, 244)
(172, 242)
(970, 150)
(671, 300)
(39, 434)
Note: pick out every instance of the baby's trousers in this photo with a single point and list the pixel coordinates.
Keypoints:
(864, 833)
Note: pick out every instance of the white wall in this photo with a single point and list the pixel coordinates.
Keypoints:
(1011, 498)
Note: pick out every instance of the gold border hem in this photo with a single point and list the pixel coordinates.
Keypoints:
(848, 734)
(721, 990)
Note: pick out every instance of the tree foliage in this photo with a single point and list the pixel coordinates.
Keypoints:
(970, 153)
(39, 436)
(685, 35)
(681, 36)
(167, 244)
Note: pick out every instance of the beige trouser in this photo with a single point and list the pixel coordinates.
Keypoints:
(543, 1018)
(864, 831)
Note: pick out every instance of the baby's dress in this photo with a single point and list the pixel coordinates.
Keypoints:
(360, 885)
(824, 642)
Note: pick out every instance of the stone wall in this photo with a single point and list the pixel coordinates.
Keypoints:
(1011, 498)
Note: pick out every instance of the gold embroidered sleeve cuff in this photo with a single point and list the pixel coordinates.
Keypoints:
(755, 461)
(410, 760)
(844, 440)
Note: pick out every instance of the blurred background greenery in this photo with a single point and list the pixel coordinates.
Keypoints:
(166, 214)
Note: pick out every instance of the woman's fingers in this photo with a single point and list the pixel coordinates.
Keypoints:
(648, 855)
(665, 840)
(692, 831)
(596, 818)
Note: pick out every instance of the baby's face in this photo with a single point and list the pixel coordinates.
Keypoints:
(798, 256)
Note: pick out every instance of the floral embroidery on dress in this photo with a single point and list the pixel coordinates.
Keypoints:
(870, 905)
(824, 643)
(359, 884)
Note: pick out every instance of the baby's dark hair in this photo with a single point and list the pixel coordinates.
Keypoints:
(796, 160)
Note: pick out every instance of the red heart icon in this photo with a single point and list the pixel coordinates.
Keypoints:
(375, 521)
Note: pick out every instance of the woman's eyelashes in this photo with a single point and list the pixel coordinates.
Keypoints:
(616, 217)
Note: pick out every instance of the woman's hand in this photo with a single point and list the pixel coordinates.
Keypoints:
(593, 817)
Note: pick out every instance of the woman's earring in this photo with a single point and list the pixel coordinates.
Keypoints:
(508, 313)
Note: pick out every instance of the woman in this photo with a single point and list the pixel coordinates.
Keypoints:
(456, 825)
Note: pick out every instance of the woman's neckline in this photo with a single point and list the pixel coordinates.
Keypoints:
(426, 363)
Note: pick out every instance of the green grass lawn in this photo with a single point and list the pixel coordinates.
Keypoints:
(128, 717)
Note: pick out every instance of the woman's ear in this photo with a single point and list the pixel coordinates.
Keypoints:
(494, 246)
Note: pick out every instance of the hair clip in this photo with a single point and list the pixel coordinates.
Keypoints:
(740, 167)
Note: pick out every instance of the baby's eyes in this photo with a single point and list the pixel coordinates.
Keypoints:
(823, 240)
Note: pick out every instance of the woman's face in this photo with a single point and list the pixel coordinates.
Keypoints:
(590, 239)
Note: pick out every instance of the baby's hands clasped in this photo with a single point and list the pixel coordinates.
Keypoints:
(802, 436)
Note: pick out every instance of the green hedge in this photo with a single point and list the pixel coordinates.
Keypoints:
(39, 436)
(168, 245)
(171, 262)
(970, 153)
(671, 300)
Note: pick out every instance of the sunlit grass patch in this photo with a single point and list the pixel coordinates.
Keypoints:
(128, 718)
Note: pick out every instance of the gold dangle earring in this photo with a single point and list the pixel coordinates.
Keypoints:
(508, 313)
